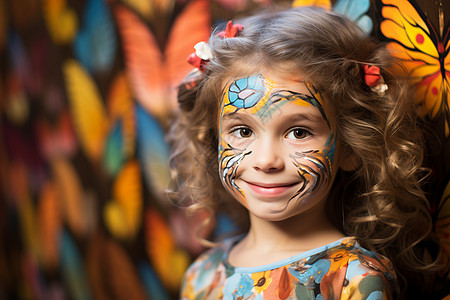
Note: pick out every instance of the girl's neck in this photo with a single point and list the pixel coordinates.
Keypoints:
(269, 242)
(311, 228)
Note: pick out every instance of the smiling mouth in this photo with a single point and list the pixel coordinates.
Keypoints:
(270, 190)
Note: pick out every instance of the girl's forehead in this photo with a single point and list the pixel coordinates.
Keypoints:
(251, 92)
(246, 91)
(277, 79)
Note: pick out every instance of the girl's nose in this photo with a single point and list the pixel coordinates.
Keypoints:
(267, 156)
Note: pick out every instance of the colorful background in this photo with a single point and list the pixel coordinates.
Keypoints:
(87, 93)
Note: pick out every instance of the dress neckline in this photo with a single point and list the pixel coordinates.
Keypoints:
(231, 242)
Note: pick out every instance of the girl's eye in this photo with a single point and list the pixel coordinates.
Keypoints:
(242, 132)
(298, 133)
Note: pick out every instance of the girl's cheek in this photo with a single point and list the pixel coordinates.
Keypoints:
(314, 170)
(229, 160)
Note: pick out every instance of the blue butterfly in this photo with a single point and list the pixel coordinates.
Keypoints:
(357, 12)
(96, 42)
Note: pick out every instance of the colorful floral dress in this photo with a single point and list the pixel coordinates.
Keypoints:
(339, 270)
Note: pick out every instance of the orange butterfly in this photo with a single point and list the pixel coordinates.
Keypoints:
(413, 39)
(154, 72)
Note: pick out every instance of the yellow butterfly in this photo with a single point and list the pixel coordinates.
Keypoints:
(413, 39)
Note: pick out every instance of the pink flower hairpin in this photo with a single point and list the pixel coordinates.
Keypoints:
(203, 53)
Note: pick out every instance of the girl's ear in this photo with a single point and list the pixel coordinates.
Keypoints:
(348, 160)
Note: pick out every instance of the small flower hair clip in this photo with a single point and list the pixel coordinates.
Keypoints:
(203, 53)
(232, 30)
(374, 80)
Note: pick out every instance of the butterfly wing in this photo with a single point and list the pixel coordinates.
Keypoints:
(96, 43)
(169, 262)
(321, 3)
(120, 274)
(191, 26)
(49, 214)
(61, 20)
(72, 267)
(425, 57)
(356, 11)
(113, 157)
(88, 112)
(72, 199)
(121, 107)
(123, 215)
(151, 282)
(144, 8)
(153, 152)
(143, 60)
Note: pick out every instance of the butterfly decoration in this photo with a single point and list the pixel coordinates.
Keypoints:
(151, 282)
(155, 70)
(320, 3)
(88, 112)
(95, 45)
(354, 10)
(77, 213)
(168, 260)
(72, 267)
(122, 112)
(423, 50)
(152, 10)
(112, 272)
(49, 224)
(357, 12)
(153, 152)
(120, 142)
(61, 20)
(123, 214)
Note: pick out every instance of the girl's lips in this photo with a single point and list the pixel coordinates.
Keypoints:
(270, 190)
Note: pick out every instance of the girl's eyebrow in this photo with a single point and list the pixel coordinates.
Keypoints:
(310, 116)
(236, 116)
(244, 117)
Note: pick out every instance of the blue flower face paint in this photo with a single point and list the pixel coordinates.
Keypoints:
(276, 147)
(246, 92)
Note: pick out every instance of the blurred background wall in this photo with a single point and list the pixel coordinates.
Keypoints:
(87, 92)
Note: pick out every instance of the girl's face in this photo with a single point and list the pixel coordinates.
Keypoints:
(276, 146)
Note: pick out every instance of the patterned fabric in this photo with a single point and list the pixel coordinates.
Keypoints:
(340, 270)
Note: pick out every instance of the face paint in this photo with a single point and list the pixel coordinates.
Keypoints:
(244, 93)
(258, 99)
(315, 167)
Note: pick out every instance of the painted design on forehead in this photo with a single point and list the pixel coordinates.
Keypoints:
(246, 92)
(280, 98)
(316, 100)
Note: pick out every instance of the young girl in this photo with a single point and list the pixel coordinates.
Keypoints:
(322, 151)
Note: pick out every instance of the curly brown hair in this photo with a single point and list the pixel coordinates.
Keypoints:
(381, 201)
